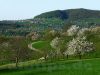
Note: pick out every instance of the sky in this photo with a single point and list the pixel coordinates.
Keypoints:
(26, 9)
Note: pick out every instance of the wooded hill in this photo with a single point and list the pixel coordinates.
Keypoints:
(58, 20)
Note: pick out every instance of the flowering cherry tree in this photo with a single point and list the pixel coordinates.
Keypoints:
(56, 43)
(82, 31)
(79, 46)
(72, 30)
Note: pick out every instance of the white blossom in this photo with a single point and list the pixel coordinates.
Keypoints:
(42, 58)
(55, 43)
(82, 31)
(72, 30)
(78, 45)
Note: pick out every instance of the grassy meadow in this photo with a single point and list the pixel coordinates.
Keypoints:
(70, 67)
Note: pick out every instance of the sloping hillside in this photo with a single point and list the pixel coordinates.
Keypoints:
(57, 20)
(71, 14)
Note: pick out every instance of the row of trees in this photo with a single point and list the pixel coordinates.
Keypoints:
(78, 45)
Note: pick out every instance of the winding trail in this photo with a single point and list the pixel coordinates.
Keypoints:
(34, 49)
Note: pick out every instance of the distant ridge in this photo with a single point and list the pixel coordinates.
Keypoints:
(80, 13)
(57, 20)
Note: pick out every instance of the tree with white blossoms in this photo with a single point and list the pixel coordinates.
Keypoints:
(79, 46)
(73, 30)
(56, 43)
(82, 31)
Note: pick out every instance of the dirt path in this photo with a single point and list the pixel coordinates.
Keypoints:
(34, 49)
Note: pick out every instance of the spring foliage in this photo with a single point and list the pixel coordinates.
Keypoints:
(72, 30)
(79, 45)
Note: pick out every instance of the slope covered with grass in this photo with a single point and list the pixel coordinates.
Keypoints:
(70, 67)
(42, 45)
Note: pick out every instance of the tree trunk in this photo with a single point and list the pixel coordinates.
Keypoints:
(16, 62)
(80, 56)
(63, 56)
(45, 56)
(67, 56)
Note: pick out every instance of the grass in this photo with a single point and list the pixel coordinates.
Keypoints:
(20, 64)
(69, 67)
(42, 45)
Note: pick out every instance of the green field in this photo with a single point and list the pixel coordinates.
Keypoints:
(42, 45)
(68, 67)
